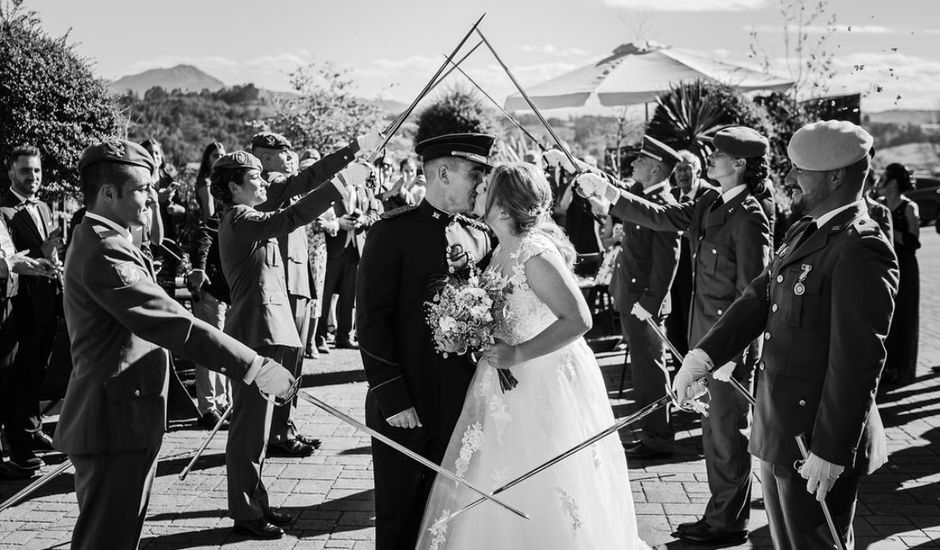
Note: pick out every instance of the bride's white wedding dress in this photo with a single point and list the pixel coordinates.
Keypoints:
(583, 502)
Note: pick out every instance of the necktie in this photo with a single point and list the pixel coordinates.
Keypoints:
(805, 233)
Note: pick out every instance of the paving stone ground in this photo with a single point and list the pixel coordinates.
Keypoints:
(330, 493)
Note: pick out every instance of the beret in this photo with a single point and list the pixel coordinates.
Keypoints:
(270, 140)
(237, 159)
(741, 142)
(828, 145)
(472, 147)
(117, 151)
(657, 150)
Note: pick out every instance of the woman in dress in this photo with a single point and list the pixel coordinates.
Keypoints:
(584, 501)
(901, 344)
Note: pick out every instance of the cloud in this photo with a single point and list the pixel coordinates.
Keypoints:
(548, 49)
(822, 29)
(688, 5)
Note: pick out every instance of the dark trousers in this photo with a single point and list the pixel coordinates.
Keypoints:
(244, 451)
(647, 362)
(727, 462)
(402, 486)
(23, 380)
(113, 491)
(282, 428)
(340, 278)
(796, 518)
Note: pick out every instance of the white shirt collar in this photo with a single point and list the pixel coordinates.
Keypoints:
(122, 230)
(730, 194)
(832, 213)
(655, 188)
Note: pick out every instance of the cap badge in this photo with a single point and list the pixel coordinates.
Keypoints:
(114, 148)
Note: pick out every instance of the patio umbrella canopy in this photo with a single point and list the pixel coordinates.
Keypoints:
(638, 73)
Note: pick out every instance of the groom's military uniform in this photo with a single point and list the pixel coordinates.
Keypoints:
(405, 254)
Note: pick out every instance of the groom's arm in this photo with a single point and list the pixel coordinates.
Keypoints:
(376, 299)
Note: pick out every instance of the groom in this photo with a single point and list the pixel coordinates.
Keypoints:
(415, 395)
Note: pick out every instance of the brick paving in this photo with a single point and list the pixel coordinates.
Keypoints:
(330, 493)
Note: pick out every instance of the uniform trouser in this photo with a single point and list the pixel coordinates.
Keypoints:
(647, 362)
(340, 279)
(213, 389)
(796, 518)
(113, 490)
(728, 464)
(244, 451)
(282, 428)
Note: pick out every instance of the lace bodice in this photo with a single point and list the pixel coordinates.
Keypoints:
(526, 314)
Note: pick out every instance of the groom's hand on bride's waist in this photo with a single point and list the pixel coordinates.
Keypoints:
(408, 418)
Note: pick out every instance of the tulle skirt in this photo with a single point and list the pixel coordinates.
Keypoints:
(583, 502)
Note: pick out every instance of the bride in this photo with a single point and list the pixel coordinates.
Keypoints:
(583, 502)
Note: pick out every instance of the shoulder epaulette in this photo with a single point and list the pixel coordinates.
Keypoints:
(398, 212)
(104, 232)
(471, 222)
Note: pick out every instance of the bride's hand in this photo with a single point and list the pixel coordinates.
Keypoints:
(503, 356)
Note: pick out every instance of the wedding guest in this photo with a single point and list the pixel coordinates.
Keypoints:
(903, 338)
(171, 212)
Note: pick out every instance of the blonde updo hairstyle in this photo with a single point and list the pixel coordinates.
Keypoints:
(523, 192)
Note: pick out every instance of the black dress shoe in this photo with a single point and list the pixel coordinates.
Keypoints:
(11, 473)
(276, 517)
(642, 450)
(210, 419)
(345, 344)
(290, 448)
(40, 441)
(307, 440)
(703, 533)
(25, 459)
(691, 525)
(258, 529)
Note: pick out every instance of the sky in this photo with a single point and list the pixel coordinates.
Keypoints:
(887, 50)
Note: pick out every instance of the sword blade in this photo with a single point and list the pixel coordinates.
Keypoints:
(205, 443)
(405, 451)
(32, 487)
(427, 88)
(836, 537)
(620, 424)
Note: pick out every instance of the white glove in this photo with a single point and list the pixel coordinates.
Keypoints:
(556, 158)
(599, 207)
(273, 379)
(640, 313)
(724, 373)
(688, 383)
(592, 185)
(355, 174)
(820, 474)
(368, 142)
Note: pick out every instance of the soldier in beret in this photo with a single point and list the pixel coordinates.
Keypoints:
(415, 394)
(823, 309)
(730, 240)
(260, 315)
(121, 325)
(284, 186)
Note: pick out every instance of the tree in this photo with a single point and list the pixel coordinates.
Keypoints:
(458, 112)
(325, 115)
(49, 98)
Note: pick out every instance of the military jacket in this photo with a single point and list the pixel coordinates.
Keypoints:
(730, 246)
(121, 325)
(647, 263)
(823, 308)
(405, 253)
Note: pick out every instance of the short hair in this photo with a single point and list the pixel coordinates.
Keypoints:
(405, 161)
(220, 179)
(24, 151)
(93, 177)
(858, 171)
(756, 170)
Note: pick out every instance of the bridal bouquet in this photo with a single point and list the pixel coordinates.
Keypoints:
(464, 314)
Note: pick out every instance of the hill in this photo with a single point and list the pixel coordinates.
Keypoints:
(904, 117)
(920, 157)
(181, 77)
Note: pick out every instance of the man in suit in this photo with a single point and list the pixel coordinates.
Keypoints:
(823, 309)
(690, 187)
(415, 394)
(122, 325)
(346, 225)
(12, 265)
(731, 240)
(285, 186)
(35, 306)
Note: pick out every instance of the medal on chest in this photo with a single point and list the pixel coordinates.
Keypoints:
(799, 288)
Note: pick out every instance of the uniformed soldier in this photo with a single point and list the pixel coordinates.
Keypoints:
(121, 325)
(648, 261)
(274, 152)
(416, 395)
(260, 315)
(731, 240)
(823, 309)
